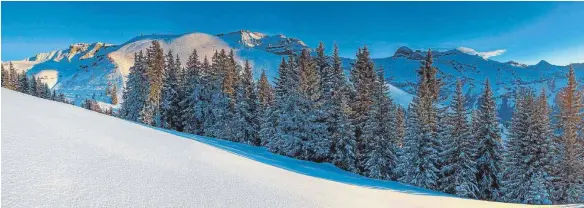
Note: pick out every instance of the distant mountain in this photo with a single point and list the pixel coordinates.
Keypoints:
(84, 70)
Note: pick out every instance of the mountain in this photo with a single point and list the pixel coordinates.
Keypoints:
(84, 70)
(79, 158)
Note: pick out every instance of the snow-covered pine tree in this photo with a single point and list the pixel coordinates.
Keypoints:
(155, 70)
(24, 83)
(570, 187)
(33, 87)
(12, 77)
(266, 109)
(5, 76)
(288, 115)
(316, 140)
(191, 103)
(362, 77)
(170, 108)
(247, 108)
(219, 111)
(458, 168)
(339, 124)
(136, 90)
(488, 145)
(380, 133)
(420, 157)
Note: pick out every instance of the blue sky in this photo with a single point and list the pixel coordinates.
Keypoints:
(526, 31)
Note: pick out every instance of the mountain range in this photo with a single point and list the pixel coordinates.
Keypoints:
(85, 70)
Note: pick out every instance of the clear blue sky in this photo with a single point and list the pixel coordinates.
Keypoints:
(527, 31)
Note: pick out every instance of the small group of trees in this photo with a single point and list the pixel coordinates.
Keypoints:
(20, 82)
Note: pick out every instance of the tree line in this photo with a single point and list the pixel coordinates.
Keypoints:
(316, 112)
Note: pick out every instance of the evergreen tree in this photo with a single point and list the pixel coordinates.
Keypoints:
(247, 109)
(135, 92)
(380, 133)
(33, 87)
(488, 141)
(459, 168)
(315, 139)
(24, 83)
(339, 124)
(570, 187)
(12, 77)
(170, 105)
(400, 121)
(5, 77)
(419, 164)
(191, 104)
(362, 77)
(155, 70)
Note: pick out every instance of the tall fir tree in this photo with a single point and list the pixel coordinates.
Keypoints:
(488, 146)
(380, 133)
(135, 92)
(362, 77)
(170, 104)
(155, 70)
(192, 100)
(266, 109)
(419, 162)
(570, 119)
(339, 124)
(247, 109)
(315, 139)
(459, 168)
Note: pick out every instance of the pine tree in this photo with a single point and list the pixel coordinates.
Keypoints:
(135, 92)
(269, 133)
(362, 77)
(170, 105)
(527, 156)
(33, 86)
(24, 83)
(247, 109)
(380, 133)
(155, 70)
(191, 103)
(12, 77)
(5, 77)
(339, 124)
(419, 163)
(570, 187)
(459, 168)
(488, 147)
(316, 140)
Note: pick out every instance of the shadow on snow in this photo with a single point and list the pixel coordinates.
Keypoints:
(319, 170)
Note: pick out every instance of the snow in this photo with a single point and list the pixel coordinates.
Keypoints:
(58, 155)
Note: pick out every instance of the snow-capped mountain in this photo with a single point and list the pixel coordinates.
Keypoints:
(84, 70)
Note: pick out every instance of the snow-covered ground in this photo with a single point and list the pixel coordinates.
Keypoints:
(58, 155)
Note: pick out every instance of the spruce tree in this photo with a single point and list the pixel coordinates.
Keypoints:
(488, 141)
(5, 76)
(170, 105)
(419, 163)
(316, 140)
(191, 103)
(135, 92)
(339, 124)
(459, 168)
(380, 133)
(247, 109)
(362, 77)
(155, 70)
(570, 143)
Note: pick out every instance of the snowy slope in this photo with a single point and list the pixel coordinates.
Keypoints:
(58, 155)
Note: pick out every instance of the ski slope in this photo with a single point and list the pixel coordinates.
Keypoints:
(58, 155)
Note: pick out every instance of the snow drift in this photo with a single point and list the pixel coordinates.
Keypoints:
(58, 155)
